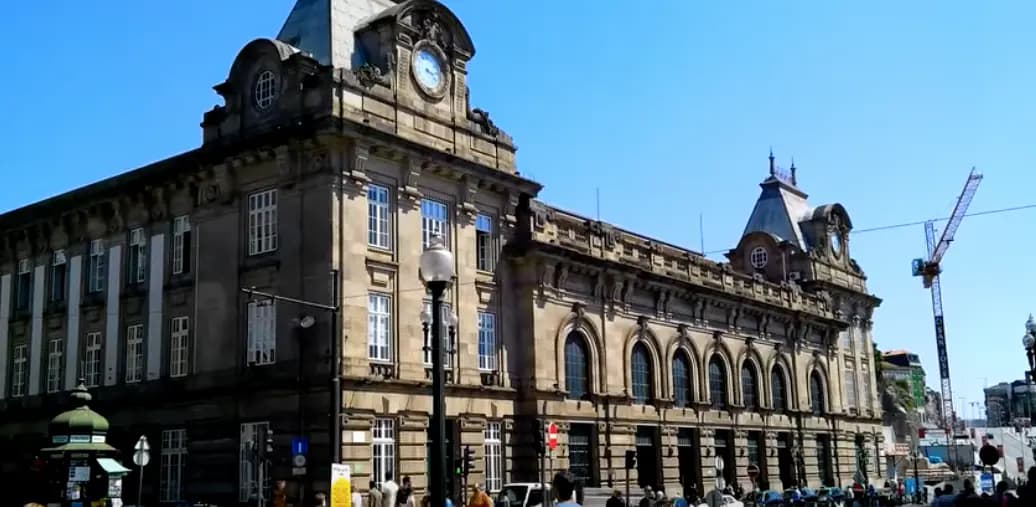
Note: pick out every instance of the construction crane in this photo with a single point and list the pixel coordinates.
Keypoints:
(929, 271)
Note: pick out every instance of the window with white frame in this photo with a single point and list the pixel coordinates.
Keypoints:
(95, 267)
(23, 286)
(494, 454)
(849, 380)
(262, 222)
(265, 90)
(19, 368)
(174, 459)
(179, 346)
(868, 396)
(379, 327)
(92, 360)
(383, 449)
(135, 353)
(55, 358)
(252, 435)
(444, 328)
(137, 256)
(487, 347)
(181, 257)
(434, 221)
(58, 276)
(262, 332)
(378, 222)
(485, 246)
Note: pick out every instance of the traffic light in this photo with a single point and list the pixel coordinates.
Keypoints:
(458, 466)
(469, 460)
(541, 444)
(631, 459)
(269, 443)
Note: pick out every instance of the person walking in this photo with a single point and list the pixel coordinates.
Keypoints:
(564, 486)
(479, 498)
(405, 495)
(616, 500)
(375, 498)
(389, 489)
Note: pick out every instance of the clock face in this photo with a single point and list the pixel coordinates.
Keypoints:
(428, 69)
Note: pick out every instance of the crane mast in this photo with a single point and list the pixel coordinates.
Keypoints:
(930, 270)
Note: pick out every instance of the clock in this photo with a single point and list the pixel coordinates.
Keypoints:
(428, 70)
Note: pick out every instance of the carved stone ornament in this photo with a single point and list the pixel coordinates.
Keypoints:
(432, 29)
(605, 231)
(369, 75)
(642, 323)
(579, 310)
(480, 118)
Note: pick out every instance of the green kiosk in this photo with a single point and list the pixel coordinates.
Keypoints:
(80, 463)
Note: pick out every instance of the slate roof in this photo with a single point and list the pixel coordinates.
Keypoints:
(780, 208)
(324, 28)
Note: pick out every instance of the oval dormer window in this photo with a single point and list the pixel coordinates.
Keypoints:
(759, 257)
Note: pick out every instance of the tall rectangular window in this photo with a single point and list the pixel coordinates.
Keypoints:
(179, 346)
(23, 286)
(92, 360)
(487, 347)
(379, 327)
(137, 256)
(849, 376)
(444, 318)
(378, 224)
(262, 222)
(494, 447)
(485, 246)
(181, 257)
(824, 460)
(134, 353)
(252, 436)
(868, 396)
(55, 358)
(434, 221)
(174, 458)
(95, 267)
(58, 276)
(383, 449)
(262, 332)
(19, 369)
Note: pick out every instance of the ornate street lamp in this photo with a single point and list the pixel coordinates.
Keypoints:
(437, 270)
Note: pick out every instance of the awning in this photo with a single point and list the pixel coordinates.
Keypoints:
(66, 448)
(112, 467)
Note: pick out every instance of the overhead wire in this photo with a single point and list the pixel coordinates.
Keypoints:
(921, 222)
(858, 231)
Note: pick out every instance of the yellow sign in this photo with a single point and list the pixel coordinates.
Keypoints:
(341, 486)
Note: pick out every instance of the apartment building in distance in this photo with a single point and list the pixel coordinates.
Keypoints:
(345, 144)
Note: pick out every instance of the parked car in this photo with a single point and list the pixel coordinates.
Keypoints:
(728, 501)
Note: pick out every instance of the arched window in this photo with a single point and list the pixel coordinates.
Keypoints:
(779, 389)
(749, 386)
(577, 366)
(717, 382)
(641, 374)
(816, 393)
(682, 394)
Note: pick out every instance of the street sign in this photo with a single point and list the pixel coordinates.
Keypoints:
(552, 436)
(141, 452)
(298, 460)
(752, 470)
(341, 485)
(299, 446)
(296, 471)
(719, 463)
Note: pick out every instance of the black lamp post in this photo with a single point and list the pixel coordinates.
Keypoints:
(437, 271)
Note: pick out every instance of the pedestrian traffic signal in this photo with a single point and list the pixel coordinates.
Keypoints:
(458, 466)
(631, 459)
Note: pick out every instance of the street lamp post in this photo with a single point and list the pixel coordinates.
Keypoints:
(437, 271)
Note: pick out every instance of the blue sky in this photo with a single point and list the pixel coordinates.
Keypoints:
(668, 107)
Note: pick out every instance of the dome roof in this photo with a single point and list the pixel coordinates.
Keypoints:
(80, 420)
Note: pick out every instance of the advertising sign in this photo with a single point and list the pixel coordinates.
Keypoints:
(341, 487)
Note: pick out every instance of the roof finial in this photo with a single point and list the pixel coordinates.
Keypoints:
(773, 168)
(794, 182)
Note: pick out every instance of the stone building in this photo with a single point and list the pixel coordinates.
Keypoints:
(344, 145)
